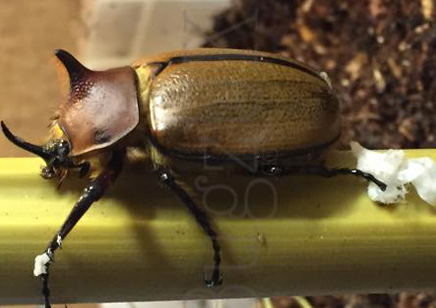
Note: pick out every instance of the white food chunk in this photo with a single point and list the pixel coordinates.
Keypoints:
(396, 171)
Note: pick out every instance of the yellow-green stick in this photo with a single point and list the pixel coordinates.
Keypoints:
(320, 236)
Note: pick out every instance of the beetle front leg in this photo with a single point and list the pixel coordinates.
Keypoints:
(201, 218)
(93, 192)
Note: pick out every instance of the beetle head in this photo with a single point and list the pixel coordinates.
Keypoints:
(102, 107)
(56, 154)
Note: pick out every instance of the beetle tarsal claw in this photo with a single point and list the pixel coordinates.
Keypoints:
(214, 282)
(216, 279)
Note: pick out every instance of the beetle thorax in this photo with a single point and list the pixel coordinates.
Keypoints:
(102, 107)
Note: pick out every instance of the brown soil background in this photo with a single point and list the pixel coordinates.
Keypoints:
(381, 58)
(379, 54)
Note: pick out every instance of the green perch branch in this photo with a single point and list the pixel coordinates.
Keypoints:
(299, 235)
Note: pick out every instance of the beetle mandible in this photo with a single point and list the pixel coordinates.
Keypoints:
(189, 106)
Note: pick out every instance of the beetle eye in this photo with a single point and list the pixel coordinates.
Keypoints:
(63, 148)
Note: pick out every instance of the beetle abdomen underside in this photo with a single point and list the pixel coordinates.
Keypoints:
(238, 107)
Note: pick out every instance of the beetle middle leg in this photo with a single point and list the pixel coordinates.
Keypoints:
(93, 192)
(201, 218)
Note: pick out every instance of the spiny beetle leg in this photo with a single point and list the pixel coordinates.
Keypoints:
(93, 192)
(201, 218)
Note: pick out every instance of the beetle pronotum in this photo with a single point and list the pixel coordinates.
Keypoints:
(192, 105)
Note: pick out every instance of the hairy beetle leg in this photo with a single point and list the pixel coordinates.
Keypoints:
(93, 192)
(201, 218)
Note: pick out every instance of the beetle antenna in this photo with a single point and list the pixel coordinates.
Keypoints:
(32, 148)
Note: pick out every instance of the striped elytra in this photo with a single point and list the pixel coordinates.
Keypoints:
(217, 102)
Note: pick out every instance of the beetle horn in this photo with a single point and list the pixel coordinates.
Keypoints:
(35, 149)
(74, 68)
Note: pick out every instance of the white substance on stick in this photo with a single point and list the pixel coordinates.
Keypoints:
(421, 172)
(41, 262)
(396, 171)
(59, 241)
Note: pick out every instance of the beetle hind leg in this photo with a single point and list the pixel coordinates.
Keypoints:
(273, 170)
(325, 172)
(201, 218)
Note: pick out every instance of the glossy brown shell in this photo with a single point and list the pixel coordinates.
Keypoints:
(102, 107)
(220, 102)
